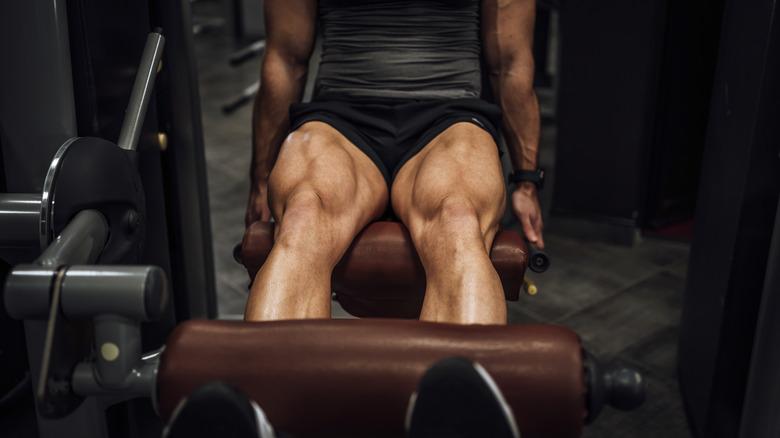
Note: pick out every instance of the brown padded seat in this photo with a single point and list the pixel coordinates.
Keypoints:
(354, 377)
(381, 275)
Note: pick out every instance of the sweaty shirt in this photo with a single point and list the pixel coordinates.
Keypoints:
(427, 49)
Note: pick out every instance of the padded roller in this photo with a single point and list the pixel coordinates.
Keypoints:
(354, 377)
(381, 275)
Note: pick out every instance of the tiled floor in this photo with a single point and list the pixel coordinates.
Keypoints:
(624, 302)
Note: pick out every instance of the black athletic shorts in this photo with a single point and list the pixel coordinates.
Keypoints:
(391, 131)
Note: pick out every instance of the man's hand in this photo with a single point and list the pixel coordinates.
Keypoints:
(257, 208)
(525, 204)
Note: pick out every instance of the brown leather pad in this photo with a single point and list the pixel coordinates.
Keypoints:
(355, 377)
(381, 275)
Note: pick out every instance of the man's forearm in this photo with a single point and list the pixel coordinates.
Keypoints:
(281, 85)
(521, 125)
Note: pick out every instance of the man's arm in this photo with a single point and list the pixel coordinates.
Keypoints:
(290, 33)
(507, 38)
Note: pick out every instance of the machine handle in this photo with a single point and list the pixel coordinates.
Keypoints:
(142, 91)
(538, 260)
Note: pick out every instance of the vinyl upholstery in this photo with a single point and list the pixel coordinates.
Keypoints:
(381, 275)
(353, 377)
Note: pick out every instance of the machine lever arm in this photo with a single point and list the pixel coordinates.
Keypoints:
(142, 91)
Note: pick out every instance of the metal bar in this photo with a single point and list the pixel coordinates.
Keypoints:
(118, 348)
(80, 242)
(142, 91)
(247, 52)
(28, 292)
(136, 292)
(246, 96)
(19, 217)
(141, 381)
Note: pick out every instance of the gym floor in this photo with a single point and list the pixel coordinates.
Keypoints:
(625, 302)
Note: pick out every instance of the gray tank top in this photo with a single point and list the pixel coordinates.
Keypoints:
(400, 48)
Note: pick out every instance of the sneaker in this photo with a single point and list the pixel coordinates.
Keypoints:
(217, 409)
(458, 398)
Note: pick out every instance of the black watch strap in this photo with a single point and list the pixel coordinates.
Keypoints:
(534, 176)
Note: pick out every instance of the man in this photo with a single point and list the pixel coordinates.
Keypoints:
(398, 124)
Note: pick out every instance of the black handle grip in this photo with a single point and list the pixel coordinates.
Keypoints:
(538, 260)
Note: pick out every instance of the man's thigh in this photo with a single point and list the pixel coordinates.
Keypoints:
(462, 162)
(317, 159)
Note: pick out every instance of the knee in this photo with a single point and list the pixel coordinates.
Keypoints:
(456, 220)
(308, 228)
(301, 216)
(456, 214)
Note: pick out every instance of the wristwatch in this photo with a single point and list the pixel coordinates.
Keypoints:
(534, 176)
